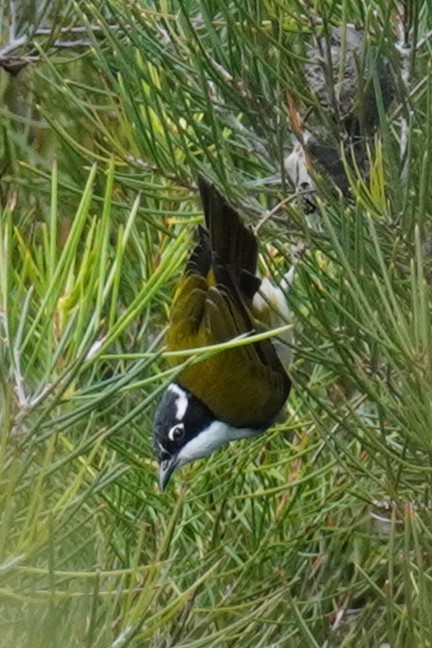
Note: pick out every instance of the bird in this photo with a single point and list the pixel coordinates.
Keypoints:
(238, 392)
(340, 69)
(348, 78)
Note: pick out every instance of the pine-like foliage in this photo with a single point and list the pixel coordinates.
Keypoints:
(319, 533)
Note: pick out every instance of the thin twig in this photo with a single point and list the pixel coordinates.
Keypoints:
(46, 31)
(12, 21)
(71, 44)
(12, 45)
(271, 212)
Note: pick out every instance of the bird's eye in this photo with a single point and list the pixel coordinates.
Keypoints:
(176, 432)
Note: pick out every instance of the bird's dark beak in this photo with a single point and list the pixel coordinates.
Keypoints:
(166, 469)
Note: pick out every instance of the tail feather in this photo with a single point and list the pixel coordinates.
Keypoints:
(232, 244)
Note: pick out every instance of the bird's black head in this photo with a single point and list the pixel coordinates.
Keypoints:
(184, 430)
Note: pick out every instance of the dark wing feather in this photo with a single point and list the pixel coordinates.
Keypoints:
(233, 245)
(245, 386)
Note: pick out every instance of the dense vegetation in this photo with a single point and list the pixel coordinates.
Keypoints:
(319, 533)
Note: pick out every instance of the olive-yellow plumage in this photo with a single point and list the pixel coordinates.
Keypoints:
(236, 392)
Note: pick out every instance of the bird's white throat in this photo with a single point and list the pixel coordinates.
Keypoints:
(214, 436)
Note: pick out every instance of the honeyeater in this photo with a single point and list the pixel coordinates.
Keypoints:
(237, 392)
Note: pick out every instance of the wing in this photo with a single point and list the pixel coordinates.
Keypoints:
(245, 386)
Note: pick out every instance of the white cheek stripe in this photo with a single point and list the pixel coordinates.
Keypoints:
(181, 402)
